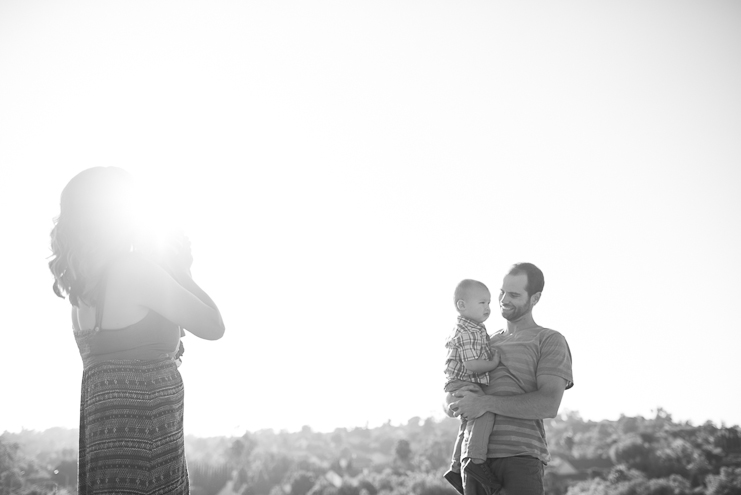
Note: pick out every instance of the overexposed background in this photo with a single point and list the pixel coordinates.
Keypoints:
(340, 166)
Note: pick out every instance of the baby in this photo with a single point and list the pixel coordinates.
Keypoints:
(469, 360)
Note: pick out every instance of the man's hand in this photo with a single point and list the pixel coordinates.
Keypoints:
(463, 402)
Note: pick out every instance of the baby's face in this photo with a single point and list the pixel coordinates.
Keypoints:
(476, 304)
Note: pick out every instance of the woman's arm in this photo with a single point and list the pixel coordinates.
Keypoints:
(175, 296)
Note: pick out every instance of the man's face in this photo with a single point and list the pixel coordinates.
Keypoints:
(476, 304)
(514, 301)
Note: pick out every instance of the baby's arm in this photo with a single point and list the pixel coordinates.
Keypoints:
(482, 365)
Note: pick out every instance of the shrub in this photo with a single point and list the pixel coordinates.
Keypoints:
(728, 482)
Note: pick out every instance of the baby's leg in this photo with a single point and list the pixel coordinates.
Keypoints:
(476, 438)
(455, 462)
(475, 447)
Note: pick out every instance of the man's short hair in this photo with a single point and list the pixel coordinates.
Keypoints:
(535, 279)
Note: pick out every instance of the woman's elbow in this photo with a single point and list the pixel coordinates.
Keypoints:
(213, 329)
(218, 331)
(221, 331)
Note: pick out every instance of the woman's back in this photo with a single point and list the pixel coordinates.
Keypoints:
(119, 327)
(120, 310)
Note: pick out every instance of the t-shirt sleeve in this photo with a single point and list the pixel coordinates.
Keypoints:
(555, 358)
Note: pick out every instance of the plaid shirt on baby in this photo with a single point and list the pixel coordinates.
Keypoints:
(469, 340)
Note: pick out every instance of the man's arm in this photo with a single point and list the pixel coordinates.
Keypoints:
(541, 404)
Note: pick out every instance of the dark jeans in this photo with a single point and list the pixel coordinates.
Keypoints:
(521, 475)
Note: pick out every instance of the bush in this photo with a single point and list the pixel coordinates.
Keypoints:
(301, 482)
(595, 486)
(728, 482)
(211, 478)
(622, 481)
(634, 452)
(622, 473)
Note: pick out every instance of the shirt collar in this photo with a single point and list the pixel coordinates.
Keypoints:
(470, 324)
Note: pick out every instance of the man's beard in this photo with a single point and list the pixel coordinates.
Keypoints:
(518, 311)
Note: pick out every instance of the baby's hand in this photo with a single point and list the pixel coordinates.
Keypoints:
(495, 358)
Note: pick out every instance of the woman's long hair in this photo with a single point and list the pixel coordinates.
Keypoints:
(98, 221)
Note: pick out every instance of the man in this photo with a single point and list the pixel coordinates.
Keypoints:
(526, 388)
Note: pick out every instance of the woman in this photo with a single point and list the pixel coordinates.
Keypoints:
(131, 293)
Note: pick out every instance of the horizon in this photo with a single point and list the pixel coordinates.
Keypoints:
(562, 415)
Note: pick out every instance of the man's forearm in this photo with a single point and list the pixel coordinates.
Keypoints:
(540, 404)
(534, 405)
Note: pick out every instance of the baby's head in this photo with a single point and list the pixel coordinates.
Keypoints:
(472, 300)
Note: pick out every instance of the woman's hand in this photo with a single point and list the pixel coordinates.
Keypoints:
(171, 250)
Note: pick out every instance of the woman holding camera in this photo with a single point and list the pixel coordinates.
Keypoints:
(131, 295)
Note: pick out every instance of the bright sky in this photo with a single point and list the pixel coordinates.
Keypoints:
(340, 166)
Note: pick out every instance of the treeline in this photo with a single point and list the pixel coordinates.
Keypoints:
(630, 456)
(639, 456)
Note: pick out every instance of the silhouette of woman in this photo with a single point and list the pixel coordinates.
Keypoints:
(131, 295)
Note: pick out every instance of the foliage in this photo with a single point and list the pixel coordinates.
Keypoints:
(403, 450)
(207, 476)
(728, 482)
(301, 482)
(629, 456)
(626, 481)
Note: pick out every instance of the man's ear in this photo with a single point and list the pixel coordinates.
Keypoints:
(536, 297)
(460, 304)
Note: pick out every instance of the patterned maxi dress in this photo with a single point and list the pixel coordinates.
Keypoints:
(131, 413)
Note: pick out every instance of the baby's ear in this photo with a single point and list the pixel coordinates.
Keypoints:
(460, 304)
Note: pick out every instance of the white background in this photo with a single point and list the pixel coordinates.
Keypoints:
(340, 166)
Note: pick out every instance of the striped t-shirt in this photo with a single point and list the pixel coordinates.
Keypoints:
(525, 355)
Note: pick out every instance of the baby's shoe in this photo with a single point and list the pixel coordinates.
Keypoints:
(455, 479)
(484, 475)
